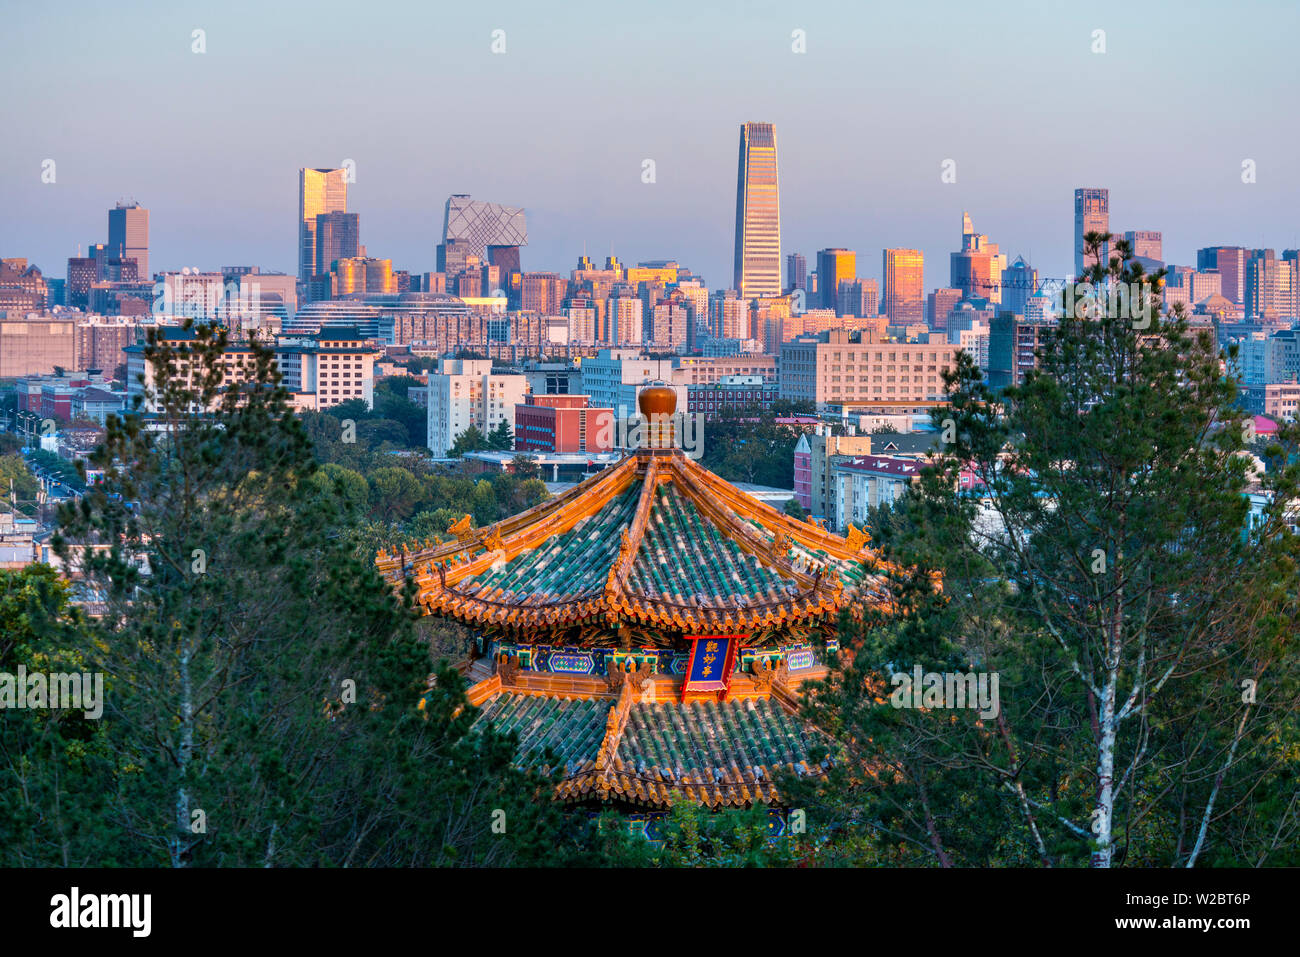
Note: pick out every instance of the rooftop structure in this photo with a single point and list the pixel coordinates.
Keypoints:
(650, 626)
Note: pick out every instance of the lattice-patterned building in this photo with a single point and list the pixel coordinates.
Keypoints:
(645, 633)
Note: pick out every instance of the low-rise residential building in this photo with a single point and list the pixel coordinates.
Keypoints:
(823, 446)
(861, 483)
(96, 404)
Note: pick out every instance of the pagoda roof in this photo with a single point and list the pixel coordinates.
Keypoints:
(656, 539)
(656, 752)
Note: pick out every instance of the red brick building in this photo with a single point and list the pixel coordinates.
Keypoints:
(562, 423)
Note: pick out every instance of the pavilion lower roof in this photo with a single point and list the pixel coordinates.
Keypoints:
(656, 753)
(656, 540)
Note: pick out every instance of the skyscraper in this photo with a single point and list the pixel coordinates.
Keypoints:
(1091, 215)
(977, 269)
(338, 236)
(1230, 261)
(488, 232)
(128, 235)
(903, 271)
(834, 266)
(1019, 282)
(758, 214)
(319, 191)
(796, 272)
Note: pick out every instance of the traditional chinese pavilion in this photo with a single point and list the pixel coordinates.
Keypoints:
(649, 628)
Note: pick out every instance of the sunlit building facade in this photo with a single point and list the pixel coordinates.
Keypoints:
(319, 191)
(904, 273)
(834, 266)
(758, 214)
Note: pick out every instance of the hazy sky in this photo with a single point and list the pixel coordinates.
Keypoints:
(586, 91)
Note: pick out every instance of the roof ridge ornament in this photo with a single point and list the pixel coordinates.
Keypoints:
(658, 404)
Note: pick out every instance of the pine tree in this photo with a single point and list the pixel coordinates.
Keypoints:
(1102, 566)
(264, 682)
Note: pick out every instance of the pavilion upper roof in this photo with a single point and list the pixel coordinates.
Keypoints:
(656, 540)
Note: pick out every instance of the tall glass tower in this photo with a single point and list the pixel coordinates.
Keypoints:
(319, 191)
(758, 214)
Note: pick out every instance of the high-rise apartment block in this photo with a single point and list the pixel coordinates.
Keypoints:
(543, 292)
(757, 270)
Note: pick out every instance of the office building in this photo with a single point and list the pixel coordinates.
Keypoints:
(36, 345)
(319, 191)
(834, 266)
(858, 297)
(1019, 282)
(938, 305)
(563, 423)
(614, 377)
(976, 269)
(128, 236)
(1230, 263)
(338, 236)
(835, 369)
(1091, 215)
(1146, 243)
(1272, 285)
(486, 232)
(904, 273)
(22, 288)
(757, 268)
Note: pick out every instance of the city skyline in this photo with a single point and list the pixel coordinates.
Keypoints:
(1013, 170)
